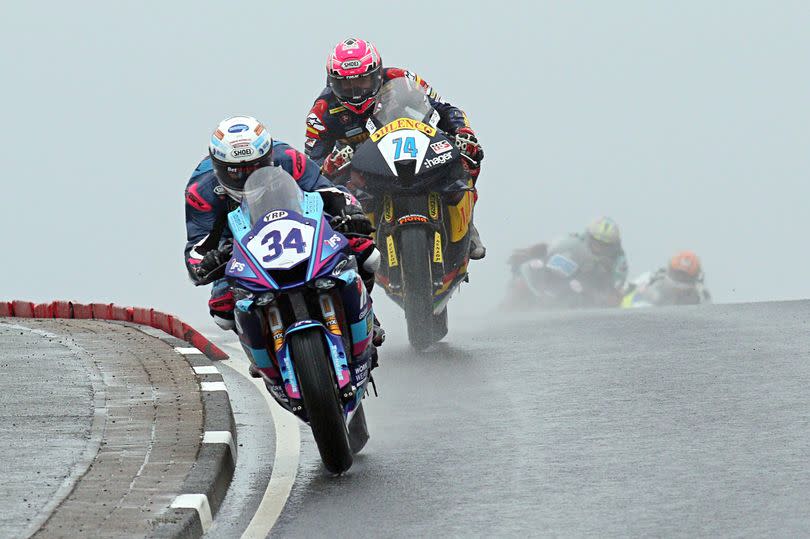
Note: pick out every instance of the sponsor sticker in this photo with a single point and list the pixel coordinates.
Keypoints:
(275, 216)
(441, 146)
(433, 206)
(237, 128)
(413, 218)
(314, 122)
(438, 160)
(437, 248)
(403, 123)
(350, 64)
(388, 208)
(333, 241)
(370, 127)
(392, 252)
(242, 152)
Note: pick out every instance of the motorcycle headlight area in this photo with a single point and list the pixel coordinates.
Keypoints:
(265, 299)
(324, 283)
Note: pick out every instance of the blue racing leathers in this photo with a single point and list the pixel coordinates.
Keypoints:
(206, 199)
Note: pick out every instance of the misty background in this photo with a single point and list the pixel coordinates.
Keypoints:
(687, 122)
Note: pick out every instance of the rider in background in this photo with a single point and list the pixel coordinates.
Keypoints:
(239, 146)
(681, 282)
(602, 264)
(336, 124)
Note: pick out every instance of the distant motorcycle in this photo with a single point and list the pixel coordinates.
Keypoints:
(657, 290)
(410, 179)
(558, 278)
(298, 290)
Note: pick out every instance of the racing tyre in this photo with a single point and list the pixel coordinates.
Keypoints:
(417, 286)
(319, 392)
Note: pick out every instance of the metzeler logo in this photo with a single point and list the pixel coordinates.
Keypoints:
(242, 152)
(403, 123)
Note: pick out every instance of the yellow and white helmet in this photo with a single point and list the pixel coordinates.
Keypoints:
(603, 237)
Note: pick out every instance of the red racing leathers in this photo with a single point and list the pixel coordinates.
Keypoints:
(331, 125)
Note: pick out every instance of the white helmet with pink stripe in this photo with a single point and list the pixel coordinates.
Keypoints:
(354, 73)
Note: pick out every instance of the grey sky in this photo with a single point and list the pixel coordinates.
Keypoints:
(685, 121)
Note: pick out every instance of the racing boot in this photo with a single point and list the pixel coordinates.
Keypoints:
(477, 248)
(379, 333)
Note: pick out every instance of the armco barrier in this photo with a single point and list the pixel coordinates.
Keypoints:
(171, 325)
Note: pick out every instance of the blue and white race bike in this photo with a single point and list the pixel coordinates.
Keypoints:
(302, 311)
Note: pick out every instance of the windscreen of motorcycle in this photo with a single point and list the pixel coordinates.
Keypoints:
(406, 122)
(281, 237)
(270, 188)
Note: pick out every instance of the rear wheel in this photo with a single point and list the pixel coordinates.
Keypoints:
(417, 286)
(319, 392)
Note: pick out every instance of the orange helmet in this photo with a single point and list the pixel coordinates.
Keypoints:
(684, 268)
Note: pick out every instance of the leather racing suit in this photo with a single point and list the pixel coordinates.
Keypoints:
(330, 124)
(207, 203)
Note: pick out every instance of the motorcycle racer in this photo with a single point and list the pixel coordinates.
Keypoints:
(336, 123)
(601, 265)
(239, 146)
(681, 282)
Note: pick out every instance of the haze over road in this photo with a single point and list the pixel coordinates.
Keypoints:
(690, 421)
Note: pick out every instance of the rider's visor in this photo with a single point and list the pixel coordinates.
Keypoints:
(358, 89)
(601, 248)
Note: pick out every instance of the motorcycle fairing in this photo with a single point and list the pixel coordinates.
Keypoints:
(245, 267)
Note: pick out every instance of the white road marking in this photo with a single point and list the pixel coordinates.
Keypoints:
(220, 437)
(285, 462)
(198, 502)
(213, 386)
(187, 351)
(208, 369)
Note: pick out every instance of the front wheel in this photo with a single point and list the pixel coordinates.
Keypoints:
(417, 286)
(319, 392)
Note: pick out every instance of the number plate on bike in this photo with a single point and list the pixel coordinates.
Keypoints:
(282, 243)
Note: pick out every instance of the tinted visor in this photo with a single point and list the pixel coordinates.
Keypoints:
(602, 249)
(358, 89)
(232, 176)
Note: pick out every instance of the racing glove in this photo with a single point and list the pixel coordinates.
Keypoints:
(352, 220)
(337, 161)
(213, 260)
(467, 143)
(368, 259)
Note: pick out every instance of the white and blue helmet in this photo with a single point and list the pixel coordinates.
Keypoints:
(239, 146)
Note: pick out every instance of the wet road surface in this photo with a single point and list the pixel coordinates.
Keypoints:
(656, 422)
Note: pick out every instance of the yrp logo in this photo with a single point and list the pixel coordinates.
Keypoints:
(242, 152)
(350, 64)
(275, 215)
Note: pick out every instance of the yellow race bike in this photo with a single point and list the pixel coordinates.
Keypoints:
(411, 181)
